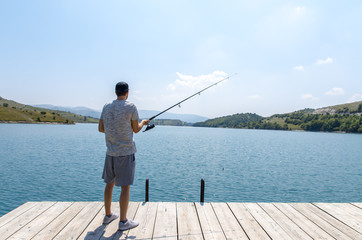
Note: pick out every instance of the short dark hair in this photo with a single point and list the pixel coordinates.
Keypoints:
(121, 88)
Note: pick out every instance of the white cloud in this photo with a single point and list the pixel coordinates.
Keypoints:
(300, 10)
(356, 97)
(308, 96)
(255, 97)
(171, 87)
(137, 95)
(335, 92)
(299, 68)
(196, 82)
(328, 60)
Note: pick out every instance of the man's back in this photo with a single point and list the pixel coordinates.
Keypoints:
(117, 118)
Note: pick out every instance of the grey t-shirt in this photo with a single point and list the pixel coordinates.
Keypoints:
(117, 117)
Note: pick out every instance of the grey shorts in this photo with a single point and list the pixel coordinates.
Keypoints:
(119, 170)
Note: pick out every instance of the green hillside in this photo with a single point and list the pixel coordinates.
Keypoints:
(349, 108)
(339, 118)
(11, 111)
(241, 120)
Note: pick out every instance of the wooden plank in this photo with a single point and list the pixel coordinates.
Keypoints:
(209, 223)
(146, 216)
(188, 224)
(53, 228)
(166, 222)
(16, 213)
(341, 215)
(359, 205)
(66, 220)
(286, 223)
(251, 227)
(95, 229)
(17, 223)
(334, 221)
(304, 223)
(310, 212)
(132, 211)
(268, 224)
(80, 222)
(37, 224)
(350, 209)
(228, 222)
(111, 229)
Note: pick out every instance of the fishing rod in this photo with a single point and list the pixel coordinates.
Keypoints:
(150, 126)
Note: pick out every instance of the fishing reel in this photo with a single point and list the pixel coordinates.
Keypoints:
(149, 127)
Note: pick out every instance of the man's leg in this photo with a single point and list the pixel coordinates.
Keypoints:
(123, 202)
(108, 197)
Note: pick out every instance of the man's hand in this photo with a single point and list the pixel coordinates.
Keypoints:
(145, 122)
(136, 127)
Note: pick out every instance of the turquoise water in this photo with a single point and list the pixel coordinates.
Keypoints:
(65, 163)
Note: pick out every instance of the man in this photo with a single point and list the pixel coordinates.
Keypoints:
(119, 120)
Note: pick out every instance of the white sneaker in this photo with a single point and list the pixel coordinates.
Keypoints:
(127, 225)
(109, 219)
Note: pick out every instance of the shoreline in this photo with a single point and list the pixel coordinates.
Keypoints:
(25, 122)
(60, 123)
(289, 130)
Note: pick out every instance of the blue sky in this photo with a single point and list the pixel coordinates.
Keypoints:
(288, 55)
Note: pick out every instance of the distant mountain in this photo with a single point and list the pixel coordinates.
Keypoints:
(143, 114)
(11, 111)
(189, 118)
(77, 110)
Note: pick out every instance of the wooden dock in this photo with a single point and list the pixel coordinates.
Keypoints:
(185, 220)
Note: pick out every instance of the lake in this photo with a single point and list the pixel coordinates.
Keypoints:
(42, 162)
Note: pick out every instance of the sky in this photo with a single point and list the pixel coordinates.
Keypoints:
(287, 55)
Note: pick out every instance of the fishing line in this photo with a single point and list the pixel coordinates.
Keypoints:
(150, 126)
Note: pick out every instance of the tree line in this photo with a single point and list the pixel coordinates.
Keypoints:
(351, 123)
(302, 120)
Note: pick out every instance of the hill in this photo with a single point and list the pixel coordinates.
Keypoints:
(11, 111)
(338, 118)
(84, 111)
(240, 120)
(353, 107)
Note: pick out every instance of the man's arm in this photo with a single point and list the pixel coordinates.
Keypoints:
(101, 126)
(136, 127)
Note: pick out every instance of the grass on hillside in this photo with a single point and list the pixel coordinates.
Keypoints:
(351, 106)
(13, 111)
(281, 122)
(19, 115)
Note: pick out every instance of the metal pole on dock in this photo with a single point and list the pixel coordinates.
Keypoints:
(146, 197)
(202, 194)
